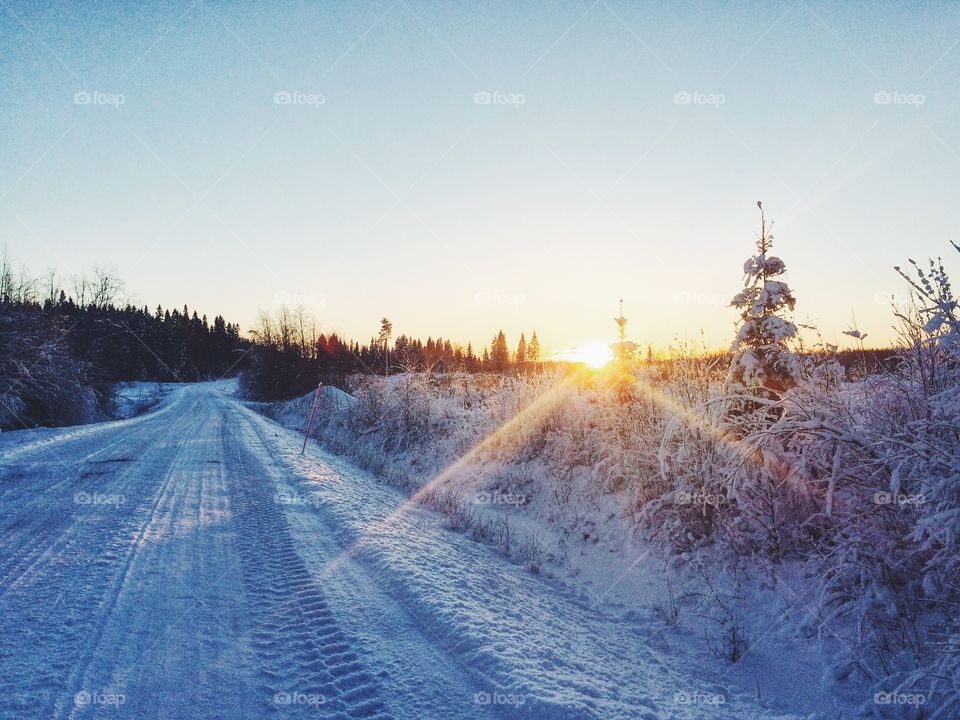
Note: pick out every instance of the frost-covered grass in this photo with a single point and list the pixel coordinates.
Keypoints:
(784, 495)
(813, 500)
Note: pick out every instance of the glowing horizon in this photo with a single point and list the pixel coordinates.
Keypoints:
(464, 169)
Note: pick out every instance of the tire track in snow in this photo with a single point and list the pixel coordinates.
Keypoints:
(57, 528)
(420, 672)
(61, 438)
(75, 682)
(527, 636)
(307, 663)
(49, 536)
(53, 611)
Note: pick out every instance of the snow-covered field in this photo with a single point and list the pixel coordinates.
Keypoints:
(624, 490)
(190, 563)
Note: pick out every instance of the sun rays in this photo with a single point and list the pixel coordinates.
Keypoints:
(529, 420)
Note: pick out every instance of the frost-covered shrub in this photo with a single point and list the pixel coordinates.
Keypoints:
(693, 458)
(41, 382)
(852, 476)
(791, 459)
(398, 410)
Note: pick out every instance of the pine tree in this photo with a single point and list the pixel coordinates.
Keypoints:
(763, 363)
(520, 360)
(386, 330)
(499, 354)
(471, 361)
(533, 352)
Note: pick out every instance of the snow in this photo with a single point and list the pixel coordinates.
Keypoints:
(190, 563)
(588, 544)
(137, 397)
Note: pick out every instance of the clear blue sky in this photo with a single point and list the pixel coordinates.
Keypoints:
(400, 195)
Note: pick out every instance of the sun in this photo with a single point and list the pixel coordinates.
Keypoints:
(594, 353)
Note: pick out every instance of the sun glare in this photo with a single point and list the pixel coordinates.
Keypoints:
(595, 354)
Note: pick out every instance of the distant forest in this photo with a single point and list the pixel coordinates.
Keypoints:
(289, 357)
(61, 353)
(62, 350)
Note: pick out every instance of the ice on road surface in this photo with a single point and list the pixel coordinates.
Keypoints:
(189, 563)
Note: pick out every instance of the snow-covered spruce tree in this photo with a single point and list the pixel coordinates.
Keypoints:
(727, 472)
(768, 497)
(763, 364)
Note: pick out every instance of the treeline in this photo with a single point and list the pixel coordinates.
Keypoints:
(61, 353)
(290, 357)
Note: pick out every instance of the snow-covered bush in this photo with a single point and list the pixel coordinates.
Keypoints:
(855, 476)
(793, 463)
(41, 382)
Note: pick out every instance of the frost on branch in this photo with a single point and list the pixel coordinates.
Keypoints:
(763, 363)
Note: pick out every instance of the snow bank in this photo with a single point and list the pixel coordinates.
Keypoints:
(135, 398)
(554, 471)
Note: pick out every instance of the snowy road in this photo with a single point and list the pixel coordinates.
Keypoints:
(190, 564)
